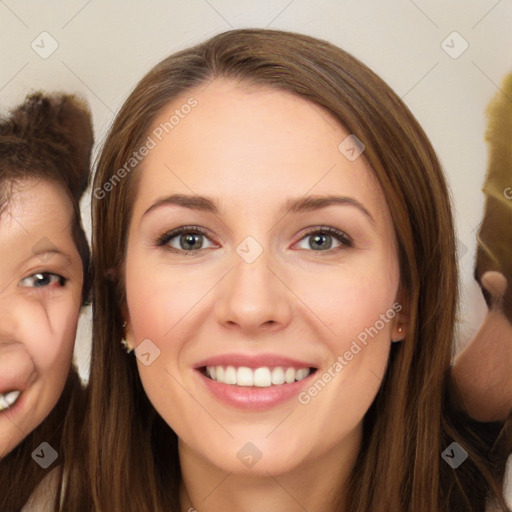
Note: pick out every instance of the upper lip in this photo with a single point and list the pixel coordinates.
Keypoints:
(13, 380)
(12, 385)
(254, 361)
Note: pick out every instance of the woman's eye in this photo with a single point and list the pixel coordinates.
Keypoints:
(321, 239)
(42, 279)
(184, 239)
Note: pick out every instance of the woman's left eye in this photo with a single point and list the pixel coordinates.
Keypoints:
(321, 239)
(42, 279)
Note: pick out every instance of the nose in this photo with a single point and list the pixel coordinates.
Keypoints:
(253, 298)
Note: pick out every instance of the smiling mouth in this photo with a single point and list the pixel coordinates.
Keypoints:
(7, 400)
(262, 377)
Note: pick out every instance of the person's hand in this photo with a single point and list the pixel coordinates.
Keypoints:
(482, 372)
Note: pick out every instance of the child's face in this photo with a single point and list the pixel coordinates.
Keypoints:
(40, 296)
(261, 289)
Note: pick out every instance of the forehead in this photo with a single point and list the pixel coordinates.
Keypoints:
(34, 207)
(248, 144)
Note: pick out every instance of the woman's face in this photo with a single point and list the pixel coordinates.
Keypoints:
(254, 291)
(40, 296)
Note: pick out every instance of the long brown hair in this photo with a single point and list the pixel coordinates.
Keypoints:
(48, 138)
(133, 457)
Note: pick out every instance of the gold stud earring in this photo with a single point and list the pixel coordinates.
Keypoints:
(400, 339)
(125, 344)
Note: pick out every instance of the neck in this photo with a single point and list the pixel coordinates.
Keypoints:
(314, 484)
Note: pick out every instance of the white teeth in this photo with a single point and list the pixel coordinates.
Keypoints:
(302, 373)
(230, 375)
(277, 376)
(289, 375)
(263, 377)
(244, 376)
(9, 399)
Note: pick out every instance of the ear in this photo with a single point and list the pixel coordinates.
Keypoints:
(128, 336)
(127, 340)
(401, 321)
(399, 331)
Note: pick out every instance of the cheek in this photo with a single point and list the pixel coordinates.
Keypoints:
(50, 335)
(159, 297)
(357, 302)
(349, 298)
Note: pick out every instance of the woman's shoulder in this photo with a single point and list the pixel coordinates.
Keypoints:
(508, 482)
(491, 506)
(44, 495)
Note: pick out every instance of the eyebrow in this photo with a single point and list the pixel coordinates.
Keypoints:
(46, 252)
(301, 204)
(40, 253)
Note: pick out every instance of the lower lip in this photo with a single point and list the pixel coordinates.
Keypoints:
(253, 397)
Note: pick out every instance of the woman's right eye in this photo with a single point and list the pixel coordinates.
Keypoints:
(42, 280)
(188, 239)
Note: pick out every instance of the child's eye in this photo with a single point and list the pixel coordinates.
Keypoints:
(42, 279)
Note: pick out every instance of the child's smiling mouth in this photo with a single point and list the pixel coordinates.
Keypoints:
(8, 399)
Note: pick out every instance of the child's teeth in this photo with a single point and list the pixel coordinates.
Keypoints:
(9, 399)
(260, 377)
